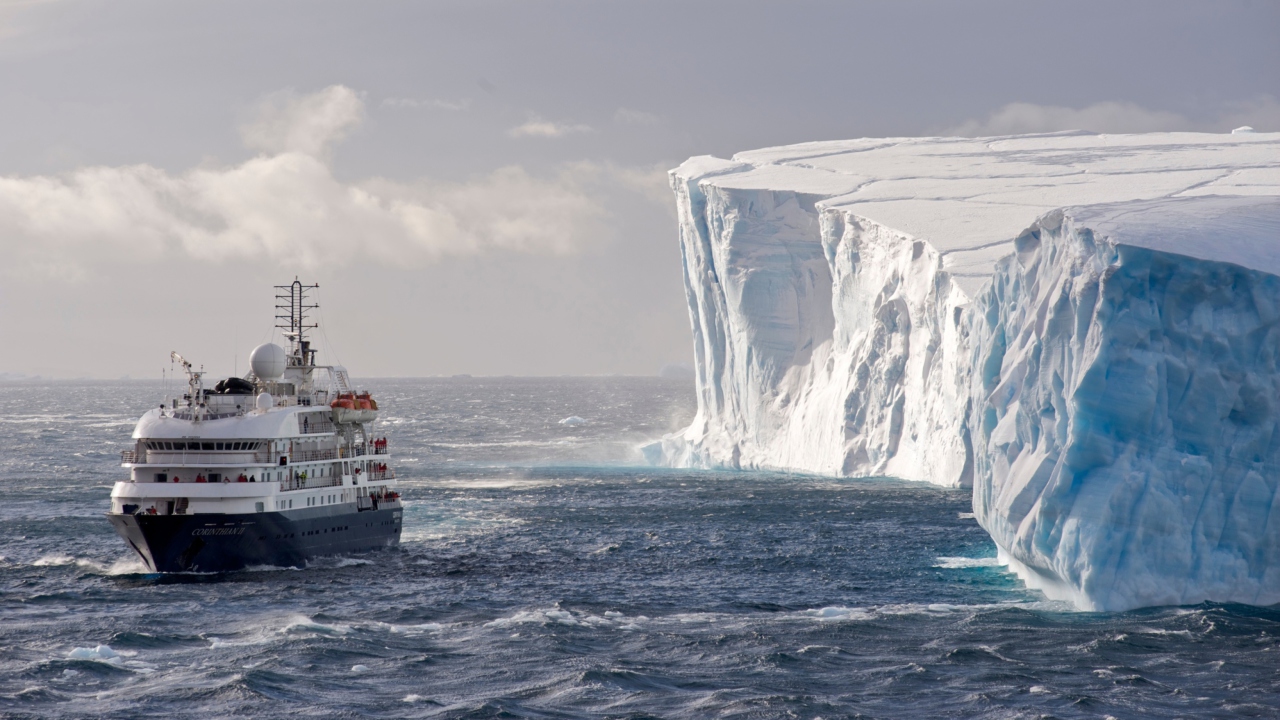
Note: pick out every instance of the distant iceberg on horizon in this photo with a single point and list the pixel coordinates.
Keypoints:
(1083, 328)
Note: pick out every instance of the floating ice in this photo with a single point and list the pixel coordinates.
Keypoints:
(861, 308)
(101, 653)
(573, 421)
(359, 668)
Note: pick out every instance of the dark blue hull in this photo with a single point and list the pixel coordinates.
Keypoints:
(220, 543)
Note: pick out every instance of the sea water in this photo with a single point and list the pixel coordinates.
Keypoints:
(545, 573)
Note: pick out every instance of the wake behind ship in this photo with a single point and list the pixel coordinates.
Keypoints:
(270, 469)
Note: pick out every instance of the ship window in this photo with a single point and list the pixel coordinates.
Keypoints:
(235, 446)
(217, 446)
(208, 446)
(290, 503)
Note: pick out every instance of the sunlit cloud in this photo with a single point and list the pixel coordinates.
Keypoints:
(537, 127)
(627, 116)
(286, 206)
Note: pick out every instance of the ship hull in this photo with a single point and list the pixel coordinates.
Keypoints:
(222, 543)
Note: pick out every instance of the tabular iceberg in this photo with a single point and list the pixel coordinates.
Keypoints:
(861, 308)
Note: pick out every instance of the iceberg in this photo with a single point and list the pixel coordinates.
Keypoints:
(862, 307)
(1127, 403)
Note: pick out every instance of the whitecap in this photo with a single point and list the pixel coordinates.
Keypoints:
(124, 566)
(837, 614)
(959, 563)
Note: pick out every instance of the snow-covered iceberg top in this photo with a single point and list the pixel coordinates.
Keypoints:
(834, 287)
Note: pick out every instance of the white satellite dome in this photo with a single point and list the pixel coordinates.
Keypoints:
(265, 401)
(268, 361)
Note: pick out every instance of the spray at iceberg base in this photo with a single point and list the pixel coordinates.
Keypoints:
(1127, 404)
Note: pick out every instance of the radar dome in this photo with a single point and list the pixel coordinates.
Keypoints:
(265, 401)
(268, 361)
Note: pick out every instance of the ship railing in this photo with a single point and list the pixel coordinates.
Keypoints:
(313, 427)
(300, 483)
(387, 474)
(355, 451)
(379, 449)
(175, 457)
(313, 455)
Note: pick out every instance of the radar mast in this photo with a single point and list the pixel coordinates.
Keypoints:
(292, 310)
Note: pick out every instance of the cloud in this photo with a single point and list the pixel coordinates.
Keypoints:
(1106, 117)
(285, 206)
(309, 124)
(537, 127)
(1262, 112)
(454, 105)
(628, 116)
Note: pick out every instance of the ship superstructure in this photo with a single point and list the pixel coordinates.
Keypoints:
(272, 468)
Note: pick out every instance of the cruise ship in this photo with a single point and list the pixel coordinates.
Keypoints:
(270, 469)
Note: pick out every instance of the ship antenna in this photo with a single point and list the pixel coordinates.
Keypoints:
(292, 313)
(195, 386)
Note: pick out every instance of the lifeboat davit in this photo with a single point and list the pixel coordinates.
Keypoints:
(352, 408)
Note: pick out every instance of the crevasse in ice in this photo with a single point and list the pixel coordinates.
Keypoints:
(860, 307)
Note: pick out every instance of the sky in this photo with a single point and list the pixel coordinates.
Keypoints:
(480, 187)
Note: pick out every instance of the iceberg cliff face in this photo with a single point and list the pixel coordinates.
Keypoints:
(861, 307)
(1128, 403)
(826, 282)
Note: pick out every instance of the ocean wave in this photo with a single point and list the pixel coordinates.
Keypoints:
(123, 566)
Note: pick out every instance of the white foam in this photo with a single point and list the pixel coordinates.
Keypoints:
(838, 614)
(131, 565)
(957, 563)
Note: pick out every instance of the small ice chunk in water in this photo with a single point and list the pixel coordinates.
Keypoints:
(103, 652)
(359, 668)
(573, 421)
